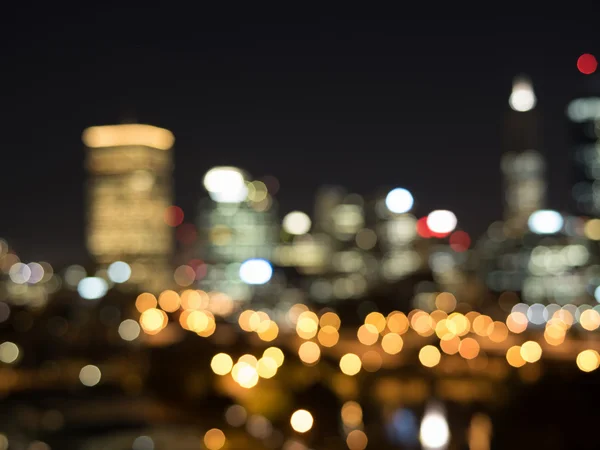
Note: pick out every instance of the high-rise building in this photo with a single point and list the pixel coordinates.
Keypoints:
(584, 124)
(129, 188)
(523, 166)
(236, 224)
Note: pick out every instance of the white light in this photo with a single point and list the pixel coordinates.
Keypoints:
(399, 201)
(441, 221)
(92, 288)
(19, 273)
(522, 97)
(129, 330)
(119, 272)
(545, 221)
(434, 433)
(226, 185)
(297, 223)
(256, 271)
(90, 375)
(9, 352)
(37, 272)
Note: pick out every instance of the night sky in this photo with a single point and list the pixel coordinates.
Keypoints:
(307, 96)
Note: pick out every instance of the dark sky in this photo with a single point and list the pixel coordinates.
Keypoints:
(309, 97)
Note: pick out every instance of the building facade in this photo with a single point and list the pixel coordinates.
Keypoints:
(129, 188)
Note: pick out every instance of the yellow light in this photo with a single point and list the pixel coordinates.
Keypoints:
(210, 328)
(328, 336)
(499, 332)
(350, 364)
(145, 301)
(251, 360)
(194, 299)
(482, 325)
(554, 334)
(307, 325)
(469, 348)
(330, 319)
(266, 367)
(377, 320)
(588, 360)
(371, 361)
(590, 320)
(214, 439)
(197, 321)
(429, 356)
(450, 346)
(221, 364)
(445, 329)
(461, 323)
(517, 322)
(301, 421)
(128, 135)
(592, 229)
(352, 414)
(531, 351)
(513, 356)
(397, 322)
(445, 301)
(244, 374)
(275, 354)
(422, 323)
(392, 343)
(357, 440)
(256, 319)
(169, 301)
(309, 353)
(268, 331)
(367, 334)
(244, 320)
(151, 320)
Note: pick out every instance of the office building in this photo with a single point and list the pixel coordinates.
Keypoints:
(129, 189)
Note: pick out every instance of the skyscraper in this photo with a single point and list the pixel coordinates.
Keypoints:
(236, 224)
(584, 126)
(129, 188)
(523, 166)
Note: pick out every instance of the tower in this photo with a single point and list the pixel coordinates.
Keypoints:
(523, 166)
(583, 114)
(236, 224)
(129, 187)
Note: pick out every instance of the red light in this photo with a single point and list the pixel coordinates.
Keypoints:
(422, 228)
(173, 216)
(587, 63)
(425, 232)
(460, 241)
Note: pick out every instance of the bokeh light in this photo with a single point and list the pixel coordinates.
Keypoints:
(296, 223)
(587, 64)
(256, 271)
(90, 375)
(399, 200)
(301, 421)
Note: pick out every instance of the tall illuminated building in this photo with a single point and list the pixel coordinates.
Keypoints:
(523, 166)
(129, 188)
(584, 127)
(237, 223)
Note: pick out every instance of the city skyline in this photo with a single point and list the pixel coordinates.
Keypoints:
(345, 98)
